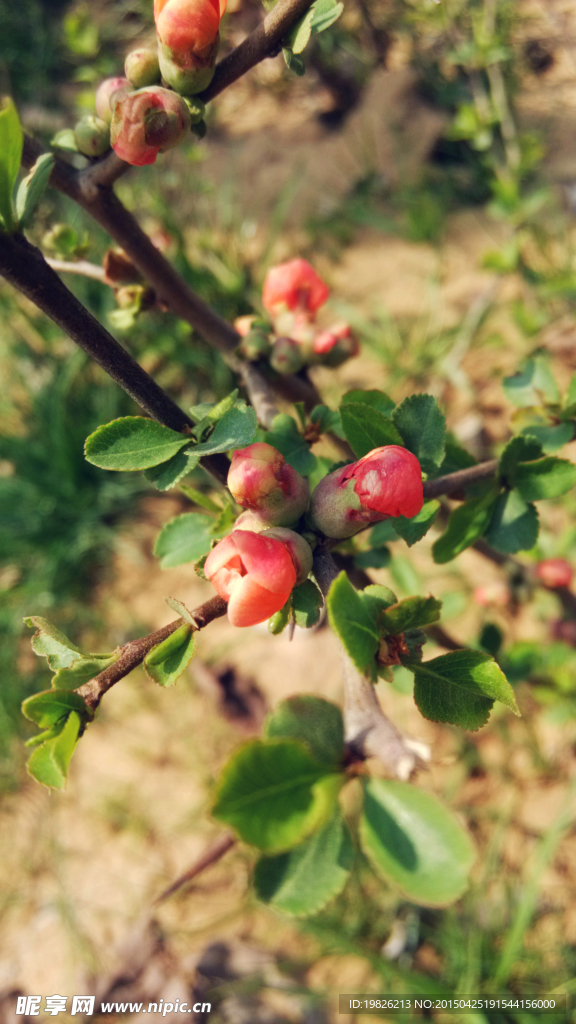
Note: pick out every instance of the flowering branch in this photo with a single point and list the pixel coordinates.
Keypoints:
(261, 43)
(133, 653)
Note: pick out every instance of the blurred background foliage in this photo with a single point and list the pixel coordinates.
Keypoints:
(61, 520)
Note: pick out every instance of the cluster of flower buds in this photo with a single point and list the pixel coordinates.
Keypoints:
(292, 295)
(153, 107)
(257, 566)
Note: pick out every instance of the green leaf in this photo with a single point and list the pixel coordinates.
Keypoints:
(236, 429)
(200, 499)
(409, 613)
(167, 474)
(551, 436)
(422, 428)
(81, 670)
(181, 610)
(544, 478)
(184, 539)
(570, 397)
(532, 385)
(514, 524)
(131, 443)
(306, 604)
(50, 643)
(460, 688)
(286, 437)
(213, 411)
(50, 761)
(518, 449)
(277, 623)
(382, 533)
(11, 141)
(456, 457)
(302, 881)
(412, 530)
(224, 522)
(352, 620)
(376, 599)
(49, 707)
(316, 722)
(328, 421)
(378, 400)
(326, 12)
(65, 140)
(466, 524)
(274, 793)
(367, 428)
(299, 37)
(169, 659)
(32, 189)
(415, 842)
(294, 63)
(374, 558)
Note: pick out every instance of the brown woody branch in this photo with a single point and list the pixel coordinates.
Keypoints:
(133, 653)
(24, 266)
(453, 482)
(211, 856)
(263, 42)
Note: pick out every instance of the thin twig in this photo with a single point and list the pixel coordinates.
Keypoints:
(81, 267)
(133, 653)
(211, 856)
(261, 43)
(24, 266)
(462, 478)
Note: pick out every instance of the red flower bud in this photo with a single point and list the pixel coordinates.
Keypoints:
(254, 573)
(386, 482)
(147, 122)
(335, 346)
(295, 286)
(189, 39)
(554, 572)
(141, 68)
(300, 550)
(106, 92)
(261, 480)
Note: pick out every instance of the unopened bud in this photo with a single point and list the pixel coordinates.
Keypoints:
(253, 573)
(92, 136)
(147, 122)
(300, 551)
(261, 480)
(335, 346)
(255, 345)
(386, 483)
(142, 68)
(554, 573)
(188, 73)
(106, 91)
(287, 356)
(119, 269)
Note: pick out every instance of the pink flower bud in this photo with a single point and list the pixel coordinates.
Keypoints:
(147, 122)
(554, 572)
(261, 480)
(106, 91)
(287, 356)
(300, 550)
(386, 482)
(295, 286)
(188, 25)
(92, 136)
(253, 573)
(335, 346)
(141, 68)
